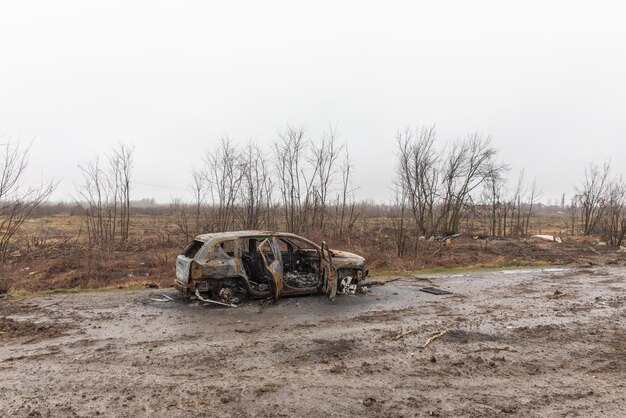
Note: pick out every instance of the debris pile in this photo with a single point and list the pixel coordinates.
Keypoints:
(299, 279)
(551, 238)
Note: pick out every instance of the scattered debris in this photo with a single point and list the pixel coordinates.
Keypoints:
(552, 238)
(245, 331)
(402, 335)
(165, 298)
(232, 305)
(435, 291)
(433, 338)
(369, 401)
(447, 239)
(228, 295)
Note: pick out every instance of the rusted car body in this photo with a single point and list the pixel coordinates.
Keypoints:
(229, 267)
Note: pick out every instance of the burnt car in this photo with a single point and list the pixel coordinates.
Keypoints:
(230, 267)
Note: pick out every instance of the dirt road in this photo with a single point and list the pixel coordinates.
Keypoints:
(524, 343)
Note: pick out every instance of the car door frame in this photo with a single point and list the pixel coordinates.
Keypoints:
(275, 268)
(328, 273)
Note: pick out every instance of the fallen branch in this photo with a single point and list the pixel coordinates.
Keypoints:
(402, 335)
(433, 338)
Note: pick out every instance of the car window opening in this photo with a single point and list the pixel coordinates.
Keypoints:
(252, 263)
(300, 265)
(228, 247)
(193, 249)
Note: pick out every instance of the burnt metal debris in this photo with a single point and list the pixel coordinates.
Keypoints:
(296, 279)
(435, 291)
(228, 268)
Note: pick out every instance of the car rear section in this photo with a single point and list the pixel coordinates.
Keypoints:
(184, 265)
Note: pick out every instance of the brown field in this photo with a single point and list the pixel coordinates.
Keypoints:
(52, 253)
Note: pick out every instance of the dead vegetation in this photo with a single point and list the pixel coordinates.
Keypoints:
(451, 208)
(63, 259)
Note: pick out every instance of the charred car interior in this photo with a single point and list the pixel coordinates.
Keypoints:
(228, 268)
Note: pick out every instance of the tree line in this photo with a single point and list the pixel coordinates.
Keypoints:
(304, 184)
(297, 184)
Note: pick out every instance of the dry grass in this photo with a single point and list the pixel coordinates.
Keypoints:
(53, 255)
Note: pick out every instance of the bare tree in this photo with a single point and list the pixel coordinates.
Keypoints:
(106, 193)
(466, 167)
(324, 160)
(614, 219)
(225, 176)
(591, 196)
(418, 173)
(398, 224)
(17, 202)
(289, 153)
(573, 214)
(492, 195)
(122, 161)
(345, 207)
(515, 206)
(534, 193)
(95, 193)
(256, 189)
(199, 188)
(179, 215)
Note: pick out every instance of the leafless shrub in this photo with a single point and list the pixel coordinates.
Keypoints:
(17, 202)
(105, 192)
(256, 189)
(180, 215)
(225, 176)
(324, 159)
(591, 196)
(418, 173)
(439, 184)
(614, 219)
(289, 154)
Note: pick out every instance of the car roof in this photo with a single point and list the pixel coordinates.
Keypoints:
(221, 236)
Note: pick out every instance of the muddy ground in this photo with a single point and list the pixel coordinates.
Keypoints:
(523, 343)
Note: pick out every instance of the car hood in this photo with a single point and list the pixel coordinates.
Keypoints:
(346, 259)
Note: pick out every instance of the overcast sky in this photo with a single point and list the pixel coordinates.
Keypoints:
(546, 79)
